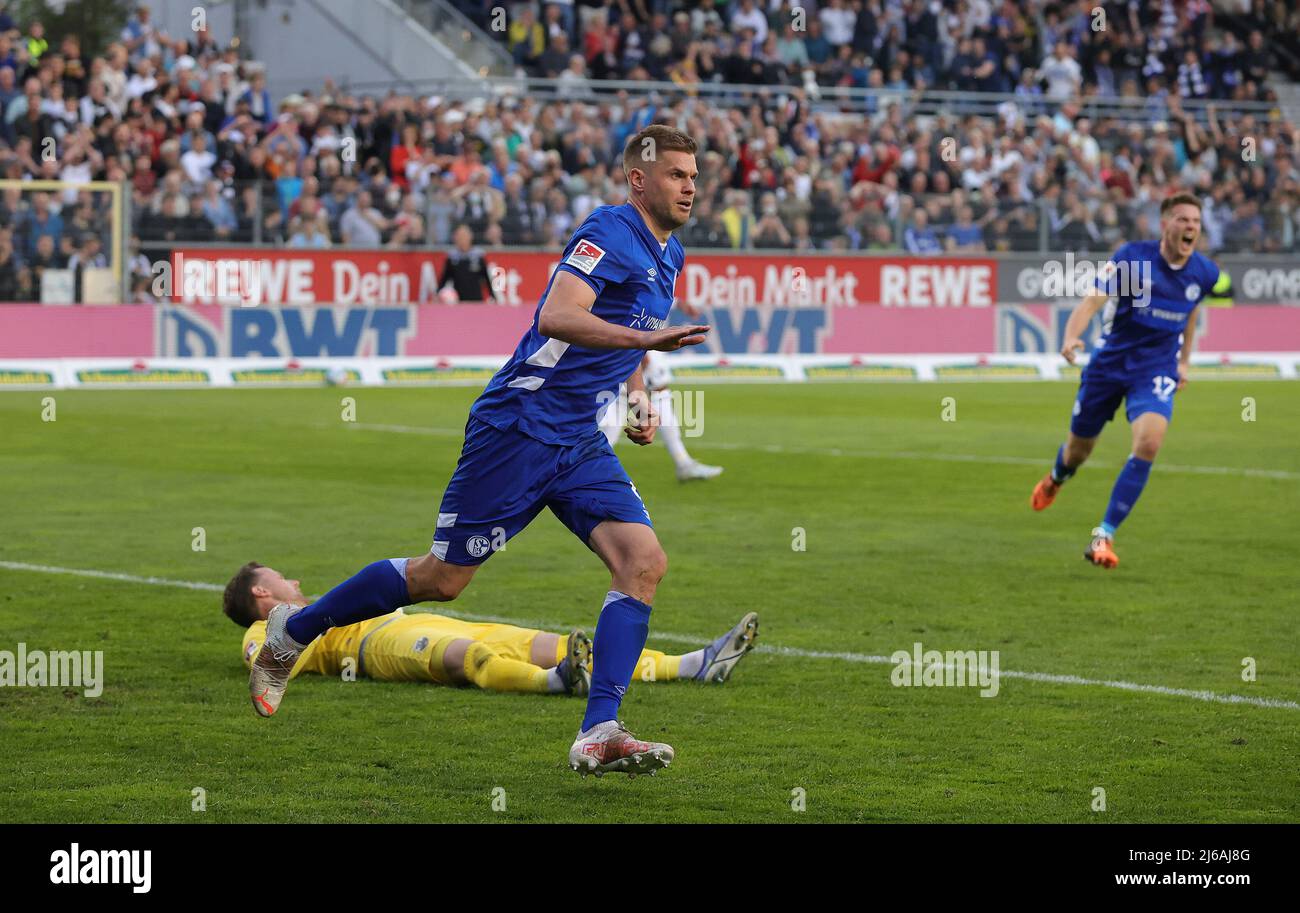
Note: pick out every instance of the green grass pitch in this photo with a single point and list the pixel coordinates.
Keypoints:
(917, 529)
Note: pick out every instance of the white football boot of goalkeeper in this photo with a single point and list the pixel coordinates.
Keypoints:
(271, 668)
(721, 656)
(609, 747)
(695, 470)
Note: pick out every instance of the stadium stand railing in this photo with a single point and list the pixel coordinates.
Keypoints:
(845, 99)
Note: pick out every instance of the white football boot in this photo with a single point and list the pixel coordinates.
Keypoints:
(609, 747)
(270, 671)
(695, 470)
(721, 656)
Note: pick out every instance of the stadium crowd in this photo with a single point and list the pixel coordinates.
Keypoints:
(209, 155)
(981, 45)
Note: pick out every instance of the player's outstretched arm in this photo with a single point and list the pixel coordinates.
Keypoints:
(566, 315)
(1080, 317)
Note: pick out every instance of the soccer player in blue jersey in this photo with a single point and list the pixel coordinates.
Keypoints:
(532, 442)
(1151, 290)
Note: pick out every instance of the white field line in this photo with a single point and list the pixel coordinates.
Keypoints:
(867, 658)
(1244, 471)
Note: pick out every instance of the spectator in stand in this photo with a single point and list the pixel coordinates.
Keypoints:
(964, 235)
(478, 204)
(198, 162)
(838, 20)
(526, 38)
(1061, 73)
(138, 35)
(37, 44)
(42, 222)
(45, 256)
(407, 151)
(259, 99)
(555, 59)
(9, 269)
(919, 237)
(769, 232)
(575, 74)
(311, 229)
(747, 15)
(218, 212)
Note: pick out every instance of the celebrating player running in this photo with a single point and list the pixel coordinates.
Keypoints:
(1142, 358)
(532, 441)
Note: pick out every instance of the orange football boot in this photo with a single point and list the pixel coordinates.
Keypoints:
(1044, 493)
(1101, 552)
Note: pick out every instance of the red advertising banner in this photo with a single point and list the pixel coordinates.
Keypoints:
(383, 278)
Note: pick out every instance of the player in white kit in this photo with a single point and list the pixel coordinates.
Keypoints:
(654, 370)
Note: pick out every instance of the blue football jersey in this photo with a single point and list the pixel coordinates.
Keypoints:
(1150, 304)
(552, 390)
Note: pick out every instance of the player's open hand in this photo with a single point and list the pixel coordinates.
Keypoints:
(670, 339)
(642, 418)
(1073, 346)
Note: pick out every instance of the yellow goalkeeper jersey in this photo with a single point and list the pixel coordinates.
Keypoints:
(396, 646)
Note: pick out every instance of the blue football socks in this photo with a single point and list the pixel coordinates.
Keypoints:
(376, 589)
(620, 637)
(1128, 488)
(1061, 472)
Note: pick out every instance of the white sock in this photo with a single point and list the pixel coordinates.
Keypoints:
(669, 430)
(691, 664)
(554, 682)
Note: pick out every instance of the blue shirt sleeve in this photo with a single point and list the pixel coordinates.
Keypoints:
(1108, 281)
(1212, 276)
(598, 254)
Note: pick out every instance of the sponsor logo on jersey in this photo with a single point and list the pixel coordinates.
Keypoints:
(644, 321)
(585, 256)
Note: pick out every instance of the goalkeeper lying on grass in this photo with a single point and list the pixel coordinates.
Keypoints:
(421, 647)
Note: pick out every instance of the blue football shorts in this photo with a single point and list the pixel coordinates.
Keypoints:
(1143, 389)
(505, 478)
